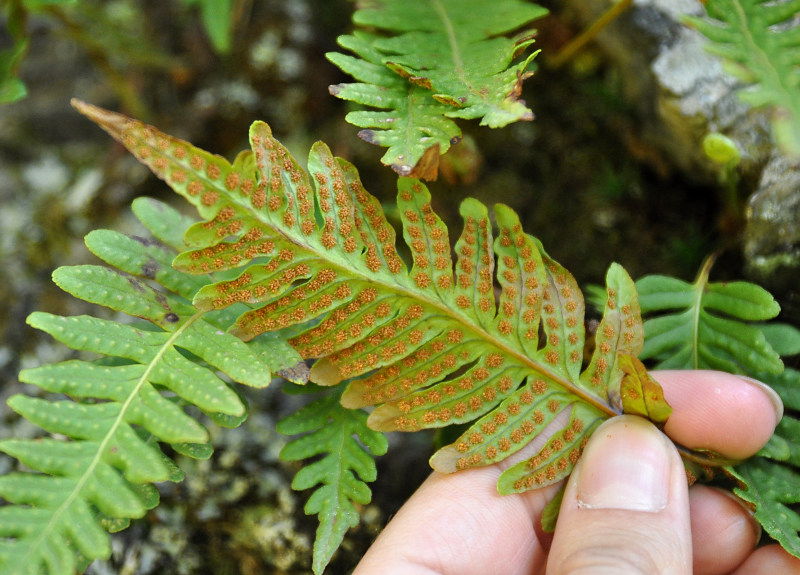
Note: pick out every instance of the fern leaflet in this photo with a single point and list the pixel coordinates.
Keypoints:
(770, 481)
(330, 430)
(759, 40)
(698, 337)
(429, 61)
(773, 488)
(122, 404)
(707, 333)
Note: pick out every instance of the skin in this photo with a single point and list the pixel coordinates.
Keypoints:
(458, 524)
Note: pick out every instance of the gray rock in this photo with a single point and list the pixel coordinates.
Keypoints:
(681, 93)
(772, 237)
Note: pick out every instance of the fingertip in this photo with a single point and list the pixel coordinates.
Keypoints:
(459, 523)
(724, 532)
(717, 411)
(628, 486)
(769, 560)
(626, 465)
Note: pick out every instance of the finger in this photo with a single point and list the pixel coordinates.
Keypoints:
(724, 532)
(459, 524)
(418, 539)
(769, 560)
(625, 510)
(728, 414)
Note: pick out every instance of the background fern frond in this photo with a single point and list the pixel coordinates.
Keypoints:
(708, 325)
(346, 448)
(773, 490)
(113, 411)
(409, 122)
(760, 42)
(770, 481)
(433, 60)
(702, 325)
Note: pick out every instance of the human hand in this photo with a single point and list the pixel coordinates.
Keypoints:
(626, 510)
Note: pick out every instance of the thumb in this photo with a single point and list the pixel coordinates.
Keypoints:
(626, 508)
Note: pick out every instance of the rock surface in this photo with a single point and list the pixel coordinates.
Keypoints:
(681, 94)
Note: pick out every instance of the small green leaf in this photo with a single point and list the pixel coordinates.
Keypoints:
(144, 258)
(348, 448)
(721, 149)
(706, 332)
(776, 448)
(774, 490)
(217, 16)
(12, 88)
(741, 300)
(787, 384)
(195, 450)
(165, 222)
(784, 338)
(551, 511)
(428, 61)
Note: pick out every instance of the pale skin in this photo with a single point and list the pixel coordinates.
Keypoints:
(627, 509)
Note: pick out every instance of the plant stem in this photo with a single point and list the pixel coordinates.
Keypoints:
(587, 35)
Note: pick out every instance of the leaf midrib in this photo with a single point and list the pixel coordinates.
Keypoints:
(455, 51)
(402, 289)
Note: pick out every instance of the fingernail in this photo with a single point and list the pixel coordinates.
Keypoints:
(773, 396)
(626, 465)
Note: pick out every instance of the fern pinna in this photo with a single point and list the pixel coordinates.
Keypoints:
(120, 406)
(425, 63)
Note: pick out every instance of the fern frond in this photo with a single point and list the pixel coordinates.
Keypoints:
(771, 481)
(410, 122)
(773, 489)
(122, 405)
(431, 60)
(430, 345)
(347, 448)
(760, 41)
(698, 337)
(703, 324)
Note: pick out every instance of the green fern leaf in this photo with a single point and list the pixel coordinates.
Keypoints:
(435, 60)
(701, 326)
(697, 337)
(759, 40)
(341, 437)
(774, 490)
(413, 123)
(430, 345)
(784, 338)
(122, 405)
